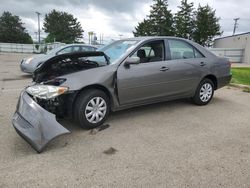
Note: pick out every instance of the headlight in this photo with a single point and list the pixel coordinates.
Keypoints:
(27, 61)
(46, 91)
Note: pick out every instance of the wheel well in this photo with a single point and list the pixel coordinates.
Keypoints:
(99, 87)
(95, 86)
(213, 79)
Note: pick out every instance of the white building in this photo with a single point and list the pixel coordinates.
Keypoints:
(236, 48)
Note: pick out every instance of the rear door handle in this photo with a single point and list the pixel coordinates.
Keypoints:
(163, 69)
(202, 64)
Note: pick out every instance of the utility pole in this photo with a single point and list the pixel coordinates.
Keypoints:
(235, 24)
(39, 31)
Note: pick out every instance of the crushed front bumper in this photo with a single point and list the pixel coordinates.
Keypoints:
(35, 124)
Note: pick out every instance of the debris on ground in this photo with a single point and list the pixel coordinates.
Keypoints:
(110, 151)
(103, 127)
(93, 131)
(98, 129)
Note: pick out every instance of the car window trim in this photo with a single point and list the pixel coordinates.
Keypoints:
(167, 50)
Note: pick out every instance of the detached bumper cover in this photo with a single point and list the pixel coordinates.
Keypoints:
(34, 124)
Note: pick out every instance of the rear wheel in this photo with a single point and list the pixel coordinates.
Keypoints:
(91, 108)
(204, 92)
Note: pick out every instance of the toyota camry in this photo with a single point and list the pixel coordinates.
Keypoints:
(86, 86)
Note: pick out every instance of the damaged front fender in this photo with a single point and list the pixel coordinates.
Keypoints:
(35, 124)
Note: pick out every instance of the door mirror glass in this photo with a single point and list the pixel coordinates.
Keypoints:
(132, 60)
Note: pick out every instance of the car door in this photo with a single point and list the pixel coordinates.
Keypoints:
(146, 80)
(185, 68)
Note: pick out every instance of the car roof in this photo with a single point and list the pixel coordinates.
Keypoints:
(85, 45)
(153, 38)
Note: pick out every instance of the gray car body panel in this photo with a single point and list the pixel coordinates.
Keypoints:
(35, 124)
(127, 87)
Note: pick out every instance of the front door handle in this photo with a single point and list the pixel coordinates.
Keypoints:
(202, 64)
(163, 69)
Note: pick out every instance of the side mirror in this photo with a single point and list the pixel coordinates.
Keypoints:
(132, 61)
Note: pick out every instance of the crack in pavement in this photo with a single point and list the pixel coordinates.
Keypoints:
(13, 79)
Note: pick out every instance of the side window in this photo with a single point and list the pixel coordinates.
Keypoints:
(86, 48)
(65, 50)
(151, 52)
(76, 49)
(182, 50)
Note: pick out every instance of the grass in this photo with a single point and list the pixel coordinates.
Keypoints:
(241, 75)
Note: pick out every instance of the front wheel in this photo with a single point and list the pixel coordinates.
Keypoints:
(204, 92)
(91, 108)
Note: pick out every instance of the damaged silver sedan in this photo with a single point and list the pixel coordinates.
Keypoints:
(86, 86)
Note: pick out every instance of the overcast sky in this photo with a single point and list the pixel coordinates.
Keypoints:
(119, 17)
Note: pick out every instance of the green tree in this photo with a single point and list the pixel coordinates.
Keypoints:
(143, 29)
(12, 29)
(206, 26)
(62, 27)
(158, 23)
(184, 20)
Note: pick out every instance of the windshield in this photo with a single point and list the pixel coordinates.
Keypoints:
(116, 49)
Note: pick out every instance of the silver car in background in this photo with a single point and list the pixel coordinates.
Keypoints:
(30, 64)
(86, 86)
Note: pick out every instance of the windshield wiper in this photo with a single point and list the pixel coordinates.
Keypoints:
(107, 58)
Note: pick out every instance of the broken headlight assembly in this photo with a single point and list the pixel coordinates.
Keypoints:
(46, 91)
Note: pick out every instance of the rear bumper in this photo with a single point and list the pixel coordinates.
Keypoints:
(34, 124)
(223, 81)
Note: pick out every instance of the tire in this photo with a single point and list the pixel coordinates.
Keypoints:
(87, 111)
(204, 92)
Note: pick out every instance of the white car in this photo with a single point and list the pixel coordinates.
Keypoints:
(30, 64)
